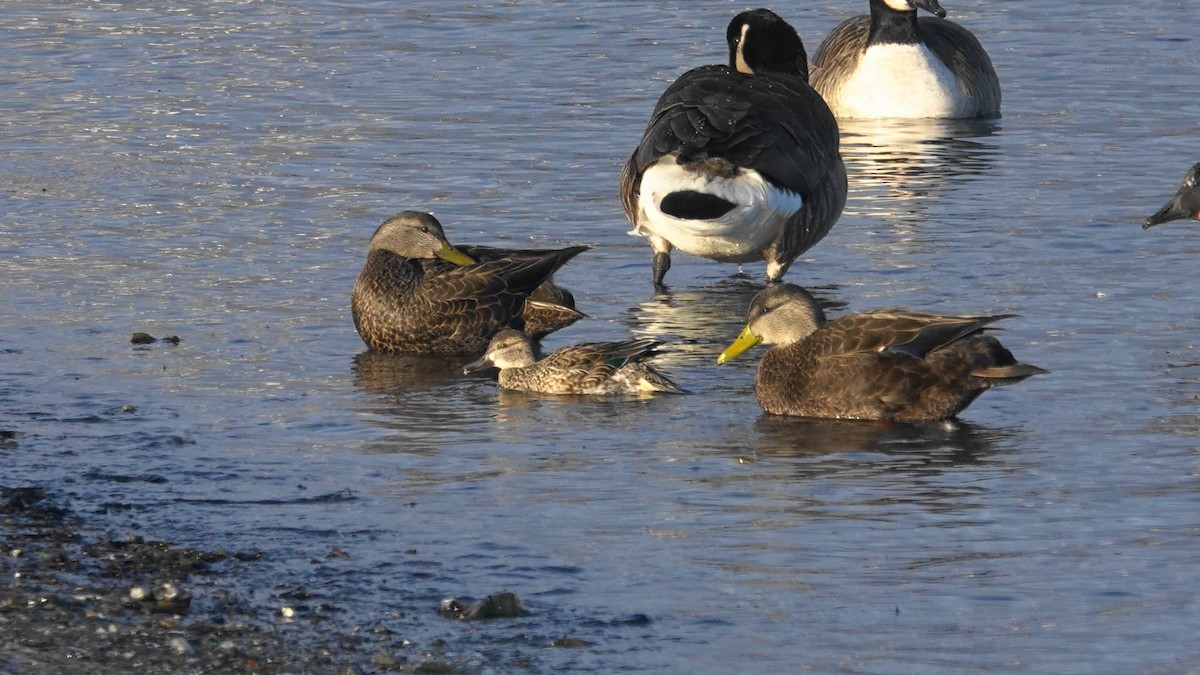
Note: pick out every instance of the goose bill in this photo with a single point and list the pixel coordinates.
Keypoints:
(744, 341)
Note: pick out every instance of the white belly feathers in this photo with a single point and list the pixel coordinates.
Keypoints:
(738, 236)
(900, 80)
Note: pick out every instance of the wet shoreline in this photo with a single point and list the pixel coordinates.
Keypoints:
(78, 596)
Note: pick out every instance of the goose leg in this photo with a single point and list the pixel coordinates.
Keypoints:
(662, 258)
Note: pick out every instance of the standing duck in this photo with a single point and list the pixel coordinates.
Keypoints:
(1185, 203)
(589, 368)
(893, 365)
(739, 162)
(892, 64)
(408, 299)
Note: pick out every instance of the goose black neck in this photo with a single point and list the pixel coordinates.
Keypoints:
(889, 26)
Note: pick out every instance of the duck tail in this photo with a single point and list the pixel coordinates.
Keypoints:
(652, 379)
(998, 376)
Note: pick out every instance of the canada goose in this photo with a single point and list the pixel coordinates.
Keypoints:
(895, 365)
(589, 368)
(892, 64)
(739, 162)
(407, 300)
(1185, 203)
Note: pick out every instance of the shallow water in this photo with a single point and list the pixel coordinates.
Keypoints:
(213, 170)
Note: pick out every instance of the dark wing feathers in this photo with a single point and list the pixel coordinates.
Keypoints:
(772, 123)
(913, 333)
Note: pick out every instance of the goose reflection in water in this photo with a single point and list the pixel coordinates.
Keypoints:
(696, 323)
(896, 166)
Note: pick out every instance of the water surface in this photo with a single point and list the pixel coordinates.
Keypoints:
(213, 170)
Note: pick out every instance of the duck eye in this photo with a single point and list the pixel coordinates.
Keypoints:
(425, 229)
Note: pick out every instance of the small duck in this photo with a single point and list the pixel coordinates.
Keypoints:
(590, 368)
(892, 365)
(892, 64)
(1185, 203)
(418, 294)
(740, 162)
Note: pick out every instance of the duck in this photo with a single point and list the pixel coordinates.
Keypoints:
(1184, 204)
(887, 365)
(892, 64)
(592, 368)
(417, 293)
(739, 162)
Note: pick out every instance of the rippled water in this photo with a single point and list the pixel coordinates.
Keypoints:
(213, 170)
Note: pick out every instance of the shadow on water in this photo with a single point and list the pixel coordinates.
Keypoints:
(912, 161)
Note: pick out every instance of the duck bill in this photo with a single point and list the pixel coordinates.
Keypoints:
(744, 341)
(1174, 210)
(932, 6)
(453, 255)
(475, 366)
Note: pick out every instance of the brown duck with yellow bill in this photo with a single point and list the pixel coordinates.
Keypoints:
(895, 365)
(407, 299)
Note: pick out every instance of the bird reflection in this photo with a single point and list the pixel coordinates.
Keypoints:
(394, 373)
(698, 323)
(911, 161)
(952, 442)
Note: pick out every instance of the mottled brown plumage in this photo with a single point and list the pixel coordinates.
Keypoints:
(406, 299)
(550, 307)
(893, 365)
(590, 368)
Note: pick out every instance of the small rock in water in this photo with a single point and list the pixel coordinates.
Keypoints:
(500, 605)
(287, 612)
(170, 598)
(181, 646)
(140, 593)
(451, 608)
(146, 338)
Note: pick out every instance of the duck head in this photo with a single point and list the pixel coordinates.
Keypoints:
(509, 348)
(781, 314)
(414, 234)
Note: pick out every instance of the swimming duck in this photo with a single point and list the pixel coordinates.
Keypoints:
(892, 64)
(893, 365)
(739, 162)
(1185, 203)
(407, 299)
(589, 368)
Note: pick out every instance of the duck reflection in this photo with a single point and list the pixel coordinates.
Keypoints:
(951, 442)
(395, 373)
(696, 324)
(896, 167)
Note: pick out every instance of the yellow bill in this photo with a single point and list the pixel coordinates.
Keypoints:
(451, 254)
(744, 341)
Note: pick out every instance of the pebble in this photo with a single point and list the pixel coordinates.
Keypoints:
(181, 646)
